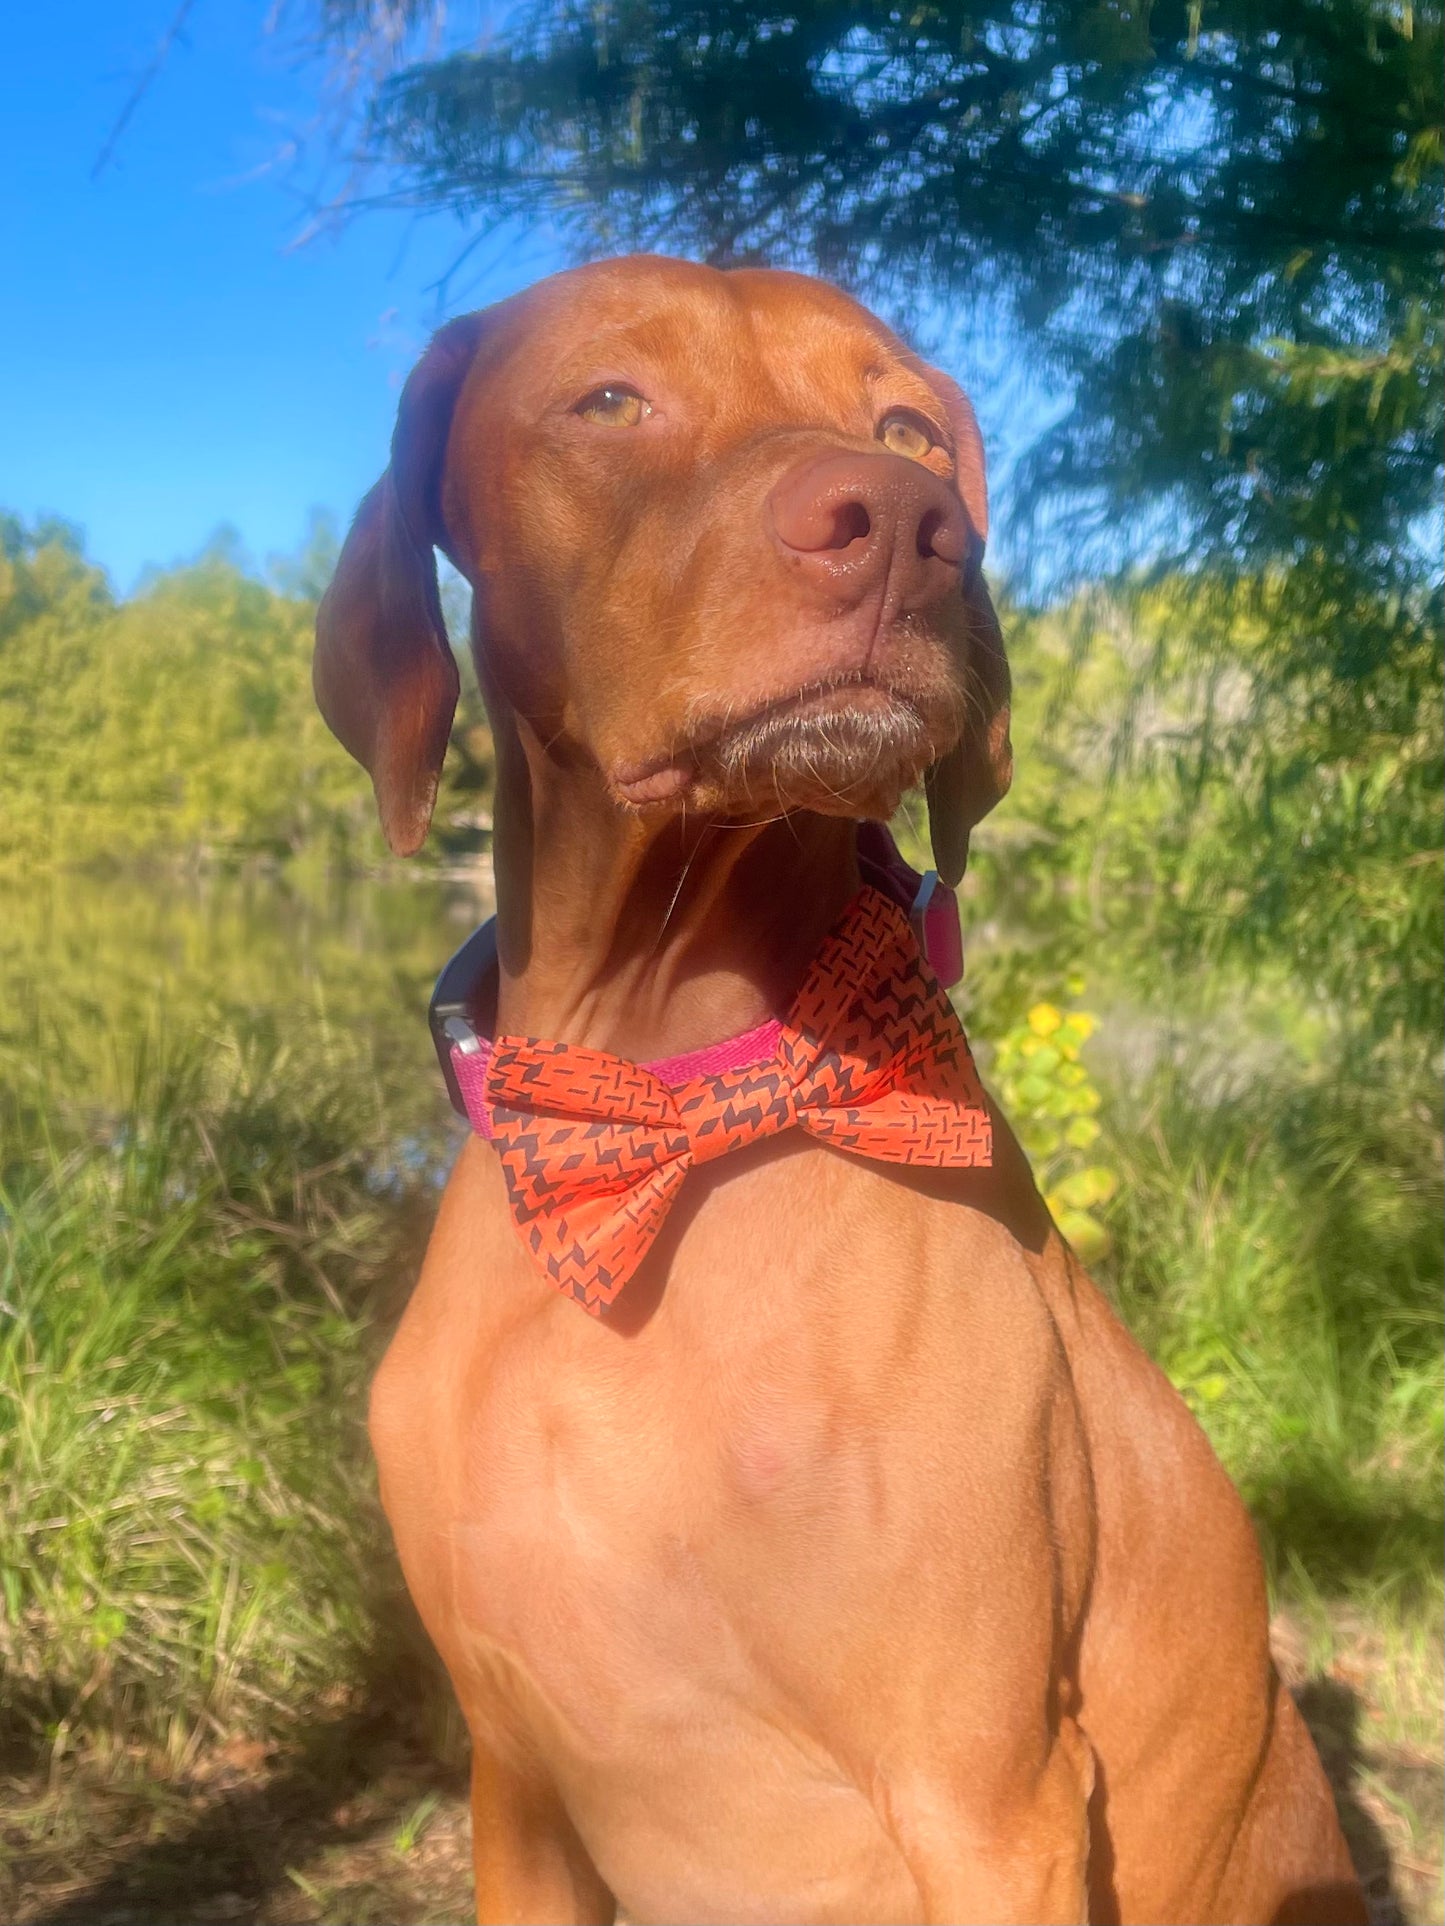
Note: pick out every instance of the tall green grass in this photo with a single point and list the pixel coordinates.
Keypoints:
(1278, 1249)
(190, 1287)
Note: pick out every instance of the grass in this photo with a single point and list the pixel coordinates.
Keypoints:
(191, 1287)
(195, 1615)
(1278, 1250)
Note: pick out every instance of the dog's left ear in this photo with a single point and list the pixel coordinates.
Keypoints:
(966, 782)
(384, 674)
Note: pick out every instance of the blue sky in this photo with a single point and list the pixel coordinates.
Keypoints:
(168, 362)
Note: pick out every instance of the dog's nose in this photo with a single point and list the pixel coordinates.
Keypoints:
(851, 525)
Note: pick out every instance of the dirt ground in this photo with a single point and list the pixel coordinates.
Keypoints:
(364, 1821)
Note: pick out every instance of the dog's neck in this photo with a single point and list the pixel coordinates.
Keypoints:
(650, 939)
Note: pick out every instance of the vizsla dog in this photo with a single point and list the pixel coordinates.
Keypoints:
(854, 1564)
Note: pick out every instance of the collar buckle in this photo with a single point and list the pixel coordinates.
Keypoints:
(455, 1012)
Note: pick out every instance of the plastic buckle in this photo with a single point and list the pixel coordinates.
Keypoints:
(452, 1013)
(934, 917)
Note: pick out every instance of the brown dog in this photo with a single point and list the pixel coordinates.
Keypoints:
(859, 1566)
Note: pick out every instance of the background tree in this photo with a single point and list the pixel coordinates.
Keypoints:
(180, 724)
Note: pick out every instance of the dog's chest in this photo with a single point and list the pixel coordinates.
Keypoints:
(711, 1512)
(661, 1587)
(631, 1551)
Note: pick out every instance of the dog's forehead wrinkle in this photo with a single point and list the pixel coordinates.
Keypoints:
(734, 357)
(661, 306)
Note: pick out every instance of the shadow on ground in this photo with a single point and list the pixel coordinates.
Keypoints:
(360, 1819)
(1332, 1710)
(359, 1816)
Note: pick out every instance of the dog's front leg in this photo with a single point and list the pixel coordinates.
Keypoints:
(531, 1868)
(983, 1854)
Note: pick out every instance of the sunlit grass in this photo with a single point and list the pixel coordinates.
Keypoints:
(1278, 1250)
(188, 1292)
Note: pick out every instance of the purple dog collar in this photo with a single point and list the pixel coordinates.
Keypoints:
(464, 994)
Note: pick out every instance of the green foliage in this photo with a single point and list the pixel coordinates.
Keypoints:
(1051, 1100)
(188, 1280)
(1277, 1249)
(181, 723)
(220, 1134)
(1185, 793)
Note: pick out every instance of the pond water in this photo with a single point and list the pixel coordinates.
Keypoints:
(94, 969)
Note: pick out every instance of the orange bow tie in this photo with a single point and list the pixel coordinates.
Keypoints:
(871, 1059)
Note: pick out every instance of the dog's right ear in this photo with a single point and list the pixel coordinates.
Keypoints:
(384, 674)
(969, 779)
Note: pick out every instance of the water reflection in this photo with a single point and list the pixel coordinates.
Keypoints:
(95, 968)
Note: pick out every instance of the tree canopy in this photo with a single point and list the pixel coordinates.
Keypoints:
(1220, 225)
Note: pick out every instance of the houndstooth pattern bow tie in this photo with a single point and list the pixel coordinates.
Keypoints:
(870, 1059)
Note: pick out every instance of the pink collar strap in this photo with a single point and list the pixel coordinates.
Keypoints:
(465, 989)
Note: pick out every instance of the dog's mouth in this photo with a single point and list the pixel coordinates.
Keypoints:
(848, 746)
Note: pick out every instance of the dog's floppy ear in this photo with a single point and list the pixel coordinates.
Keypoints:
(383, 671)
(966, 782)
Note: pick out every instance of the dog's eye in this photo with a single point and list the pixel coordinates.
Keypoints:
(614, 407)
(904, 433)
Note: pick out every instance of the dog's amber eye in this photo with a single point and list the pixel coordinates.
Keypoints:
(614, 407)
(904, 433)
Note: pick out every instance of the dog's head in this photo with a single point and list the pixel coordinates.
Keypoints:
(724, 534)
